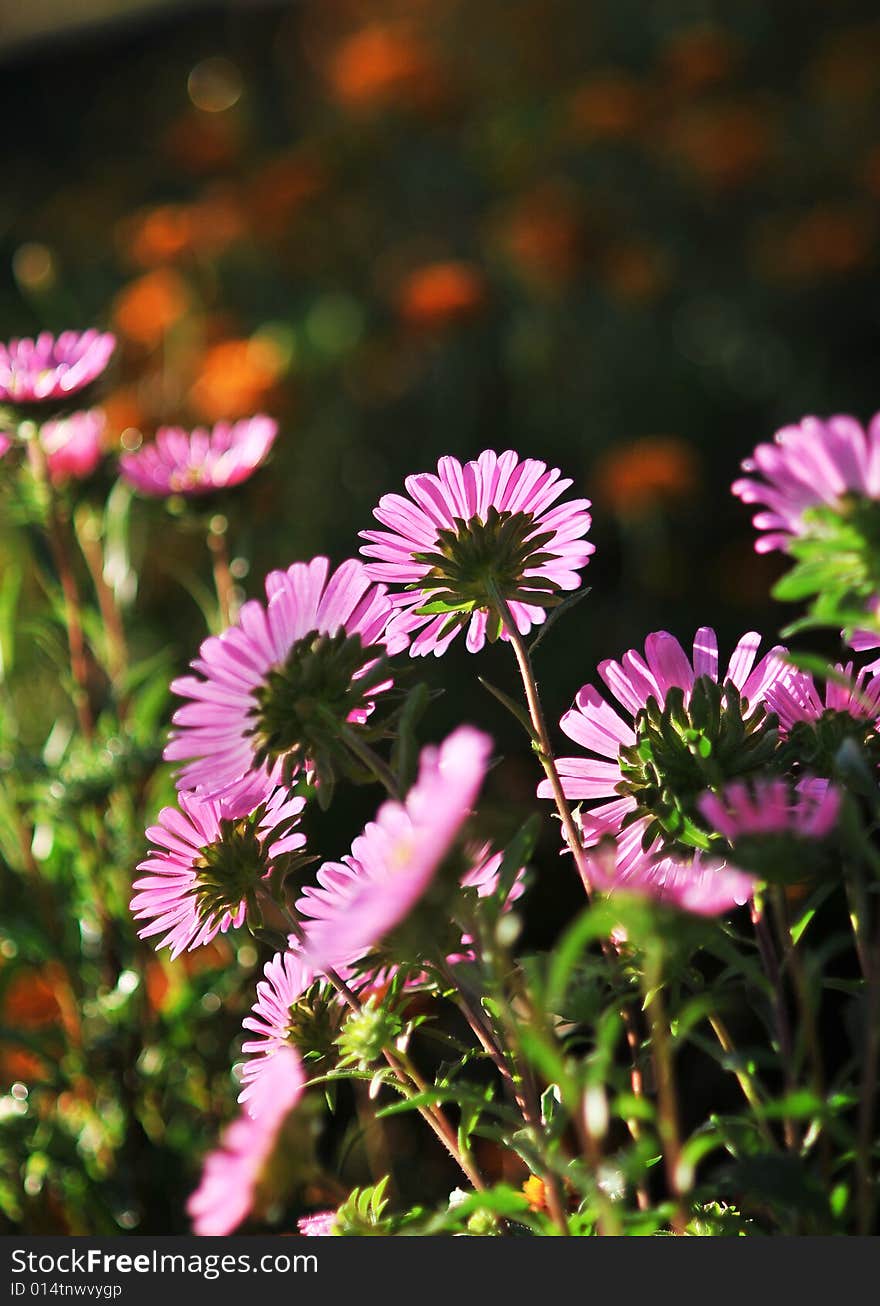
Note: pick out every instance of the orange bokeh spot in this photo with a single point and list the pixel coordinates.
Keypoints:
(544, 235)
(236, 376)
(637, 477)
(724, 144)
(699, 57)
(146, 308)
(441, 293)
(380, 65)
(635, 272)
(610, 106)
(832, 240)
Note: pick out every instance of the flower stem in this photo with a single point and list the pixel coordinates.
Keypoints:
(223, 582)
(402, 1068)
(667, 1105)
(89, 537)
(536, 715)
(79, 666)
(371, 760)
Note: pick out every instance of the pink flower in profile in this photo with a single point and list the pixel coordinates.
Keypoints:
(33, 371)
(771, 807)
(865, 641)
(680, 725)
(200, 461)
(320, 1225)
(488, 523)
(206, 857)
(73, 445)
(702, 885)
(286, 979)
(812, 465)
(278, 688)
(232, 1172)
(358, 901)
(797, 698)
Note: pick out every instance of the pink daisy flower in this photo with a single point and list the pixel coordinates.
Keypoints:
(796, 698)
(699, 884)
(866, 641)
(73, 445)
(320, 1225)
(680, 727)
(357, 902)
(813, 465)
(231, 1174)
(200, 461)
(491, 522)
(206, 859)
(286, 980)
(50, 367)
(771, 807)
(277, 688)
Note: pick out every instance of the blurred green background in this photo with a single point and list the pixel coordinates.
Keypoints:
(631, 239)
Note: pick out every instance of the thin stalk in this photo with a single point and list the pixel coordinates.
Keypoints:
(536, 715)
(769, 962)
(749, 1091)
(403, 1070)
(667, 1103)
(865, 1176)
(371, 760)
(223, 582)
(79, 666)
(117, 645)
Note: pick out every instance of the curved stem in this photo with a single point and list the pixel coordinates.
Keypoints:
(667, 1105)
(402, 1068)
(536, 715)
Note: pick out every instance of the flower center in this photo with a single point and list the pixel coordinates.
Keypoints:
(683, 749)
(302, 703)
(476, 559)
(228, 869)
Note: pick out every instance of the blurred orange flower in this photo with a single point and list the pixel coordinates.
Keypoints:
(635, 272)
(535, 1192)
(544, 234)
(725, 144)
(640, 475)
(609, 106)
(441, 293)
(236, 377)
(29, 1003)
(202, 142)
(700, 56)
(146, 308)
(382, 64)
(279, 189)
(832, 240)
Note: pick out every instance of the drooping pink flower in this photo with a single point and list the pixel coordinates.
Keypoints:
(647, 779)
(50, 367)
(698, 884)
(232, 1172)
(771, 807)
(192, 463)
(797, 698)
(206, 857)
(72, 445)
(276, 688)
(487, 523)
(286, 979)
(320, 1225)
(811, 465)
(358, 901)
